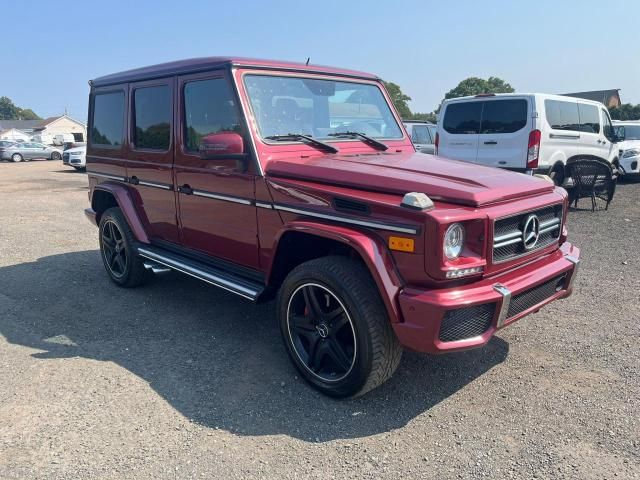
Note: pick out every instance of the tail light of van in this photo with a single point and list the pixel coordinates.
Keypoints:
(437, 142)
(533, 152)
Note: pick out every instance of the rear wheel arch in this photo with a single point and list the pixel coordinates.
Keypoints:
(108, 195)
(308, 241)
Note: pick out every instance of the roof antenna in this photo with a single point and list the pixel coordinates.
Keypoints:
(308, 58)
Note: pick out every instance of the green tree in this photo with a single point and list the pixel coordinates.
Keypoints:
(9, 111)
(477, 86)
(626, 111)
(399, 99)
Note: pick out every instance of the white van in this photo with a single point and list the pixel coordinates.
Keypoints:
(527, 132)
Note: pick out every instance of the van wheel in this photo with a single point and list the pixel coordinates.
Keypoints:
(16, 157)
(557, 175)
(123, 265)
(335, 327)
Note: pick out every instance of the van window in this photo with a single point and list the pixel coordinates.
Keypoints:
(463, 118)
(562, 115)
(421, 134)
(108, 119)
(209, 108)
(152, 119)
(589, 120)
(503, 116)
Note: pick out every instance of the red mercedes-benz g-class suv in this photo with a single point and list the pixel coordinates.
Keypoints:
(297, 181)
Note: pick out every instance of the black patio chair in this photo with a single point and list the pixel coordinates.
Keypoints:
(592, 178)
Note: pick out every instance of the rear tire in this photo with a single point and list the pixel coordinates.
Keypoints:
(16, 157)
(557, 175)
(335, 327)
(56, 156)
(117, 248)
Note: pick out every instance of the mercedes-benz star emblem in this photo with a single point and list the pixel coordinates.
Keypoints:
(531, 232)
(323, 330)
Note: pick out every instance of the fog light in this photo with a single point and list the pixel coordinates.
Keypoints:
(463, 272)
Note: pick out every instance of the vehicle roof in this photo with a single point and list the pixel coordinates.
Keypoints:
(549, 96)
(194, 65)
(632, 122)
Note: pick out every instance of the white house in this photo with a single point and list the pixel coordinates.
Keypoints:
(48, 128)
(14, 135)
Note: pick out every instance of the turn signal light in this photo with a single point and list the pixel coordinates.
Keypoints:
(401, 244)
(463, 272)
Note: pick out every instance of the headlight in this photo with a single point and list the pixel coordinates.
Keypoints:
(453, 241)
(632, 152)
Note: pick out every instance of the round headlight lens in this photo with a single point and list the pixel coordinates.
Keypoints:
(454, 241)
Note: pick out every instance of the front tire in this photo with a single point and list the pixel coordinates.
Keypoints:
(16, 157)
(335, 327)
(124, 267)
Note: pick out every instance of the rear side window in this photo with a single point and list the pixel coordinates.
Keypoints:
(503, 116)
(562, 115)
(152, 120)
(209, 108)
(421, 134)
(589, 118)
(463, 118)
(108, 119)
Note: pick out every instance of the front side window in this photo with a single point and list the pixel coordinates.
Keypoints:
(421, 134)
(562, 115)
(503, 116)
(589, 121)
(318, 107)
(152, 119)
(108, 119)
(463, 118)
(209, 108)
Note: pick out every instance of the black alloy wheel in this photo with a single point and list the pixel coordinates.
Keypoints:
(114, 250)
(321, 332)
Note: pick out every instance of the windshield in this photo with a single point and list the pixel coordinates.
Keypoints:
(319, 108)
(631, 132)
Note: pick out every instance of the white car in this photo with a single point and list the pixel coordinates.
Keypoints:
(75, 157)
(629, 147)
(422, 134)
(533, 133)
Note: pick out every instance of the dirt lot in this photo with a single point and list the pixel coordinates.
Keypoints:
(180, 380)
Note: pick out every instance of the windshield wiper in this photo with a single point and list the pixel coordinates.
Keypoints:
(372, 141)
(306, 138)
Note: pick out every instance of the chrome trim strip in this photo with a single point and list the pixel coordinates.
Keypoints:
(268, 206)
(109, 176)
(506, 301)
(199, 274)
(163, 186)
(507, 242)
(507, 236)
(216, 196)
(362, 223)
(550, 223)
(515, 237)
(576, 263)
(565, 136)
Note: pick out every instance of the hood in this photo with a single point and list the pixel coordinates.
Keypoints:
(440, 178)
(627, 144)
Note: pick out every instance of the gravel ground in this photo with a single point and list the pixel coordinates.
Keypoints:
(180, 380)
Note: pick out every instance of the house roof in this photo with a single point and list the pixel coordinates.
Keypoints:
(194, 65)
(18, 124)
(611, 98)
(48, 121)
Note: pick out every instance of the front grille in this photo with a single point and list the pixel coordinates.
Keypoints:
(508, 233)
(466, 322)
(538, 294)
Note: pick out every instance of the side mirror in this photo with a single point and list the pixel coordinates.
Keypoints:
(222, 145)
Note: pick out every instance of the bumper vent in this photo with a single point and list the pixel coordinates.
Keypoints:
(538, 294)
(509, 235)
(467, 322)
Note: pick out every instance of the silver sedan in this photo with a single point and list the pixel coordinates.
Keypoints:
(28, 151)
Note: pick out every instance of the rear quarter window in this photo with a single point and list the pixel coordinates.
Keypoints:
(107, 126)
(462, 118)
(503, 116)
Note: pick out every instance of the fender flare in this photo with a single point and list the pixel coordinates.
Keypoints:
(123, 198)
(372, 250)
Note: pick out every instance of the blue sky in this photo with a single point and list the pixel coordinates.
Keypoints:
(426, 47)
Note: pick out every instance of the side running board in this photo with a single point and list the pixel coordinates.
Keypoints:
(233, 283)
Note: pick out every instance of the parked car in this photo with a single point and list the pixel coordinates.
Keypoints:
(629, 146)
(422, 134)
(75, 157)
(62, 138)
(532, 133)
(5, 144)
(259, 184)
(28, 151)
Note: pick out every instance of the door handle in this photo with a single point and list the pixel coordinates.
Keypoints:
(491, 142)
(186, 189)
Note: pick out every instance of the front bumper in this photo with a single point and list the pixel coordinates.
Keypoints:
(630, 165)
(434, 320)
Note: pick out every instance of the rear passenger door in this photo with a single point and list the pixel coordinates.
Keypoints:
(590, 131)
(459, 131)
(504, 133)
(563, 139)
(608, 149)
(150, 157)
